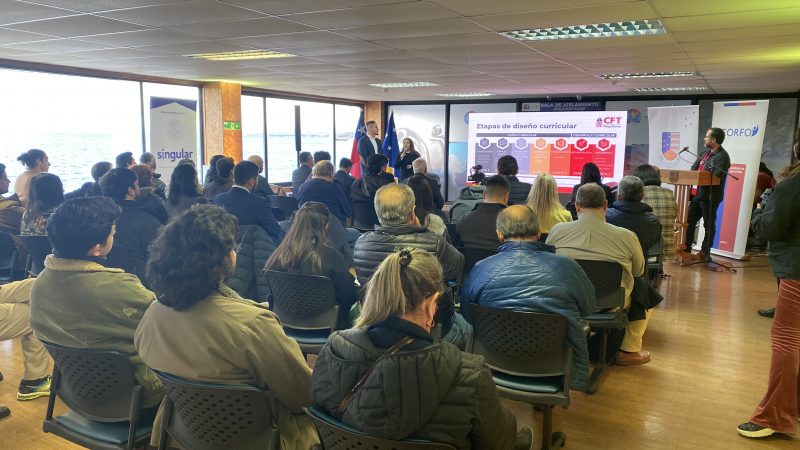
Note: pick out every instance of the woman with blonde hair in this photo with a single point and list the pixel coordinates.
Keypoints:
(390, 378)
(543, 201)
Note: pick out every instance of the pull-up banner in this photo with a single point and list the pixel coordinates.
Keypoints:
(744, 123)
(673, 128)
(173, 133)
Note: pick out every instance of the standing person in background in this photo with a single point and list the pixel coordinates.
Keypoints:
(369, 144)
(518, 191)
(303, 171)
(45, 194)
(262, 187)
(125, 160)
(184, 190)
(35, 161)
(405, 159)
(159, 187)
(662, 200)
(778, 221)
(543, 201)
(590, 173)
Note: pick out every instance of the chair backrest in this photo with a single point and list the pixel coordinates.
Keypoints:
(278, 213)
(8, 255)
(287, 204)
(97, 384)
(473, 255)
(204, 416)
(364, 215)
(303, 302)
(520, 343)
(656, 250)
(335, 435)
(606, 276)
(38, 248)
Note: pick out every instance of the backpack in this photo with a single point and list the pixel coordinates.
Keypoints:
(468, 199)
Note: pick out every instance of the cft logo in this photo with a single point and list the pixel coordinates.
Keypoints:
(612, 122)
(739, 132)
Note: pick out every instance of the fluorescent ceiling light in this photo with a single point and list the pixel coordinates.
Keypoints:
(233, 56)
(595, 30)
(622, 76)
(403, 85)
(466, 94)
(671, 89)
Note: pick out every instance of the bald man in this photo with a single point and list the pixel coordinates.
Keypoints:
(262, 188)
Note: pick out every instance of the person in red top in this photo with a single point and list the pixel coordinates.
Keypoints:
(764, 181)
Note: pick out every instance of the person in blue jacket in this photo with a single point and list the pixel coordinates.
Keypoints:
(527, 275)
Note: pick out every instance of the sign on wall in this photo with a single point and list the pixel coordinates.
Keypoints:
(173, 133)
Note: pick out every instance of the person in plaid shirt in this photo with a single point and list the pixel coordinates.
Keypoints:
(662, 200)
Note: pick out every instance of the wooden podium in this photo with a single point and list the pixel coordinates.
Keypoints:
(684, 180)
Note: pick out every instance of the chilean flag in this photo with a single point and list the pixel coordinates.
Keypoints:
(354, 156)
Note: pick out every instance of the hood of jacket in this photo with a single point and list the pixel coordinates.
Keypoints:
(399, 396)
(631, 207)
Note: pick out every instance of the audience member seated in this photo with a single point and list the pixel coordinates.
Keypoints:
(662, 200)
(262, 188)
(765, 180)
(35, 161)
(476, 228)
(405, 160)
(45, 194)
(303, 171)
(307, 250)
(400, 227)
(518, 191)
(248, 208)
(543, 201)
(527, 275)
(11, 209)
(148, 199)
(211, 172)
(362, 191)
(341, 238)
(591, 238)
(77, 301)
(631, 213)
(135, 228)
(423, 205)
(590, 173)
(418, 387)
(222, 180)
(91, 188)
(184, 190)
(343, 177)
(200, 330)
(15, 313)
(421, 168)
(125, 160)
(321, 188)
(158, 185)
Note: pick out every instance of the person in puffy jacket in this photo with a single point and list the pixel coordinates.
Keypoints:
(422, 389)
(527, 275)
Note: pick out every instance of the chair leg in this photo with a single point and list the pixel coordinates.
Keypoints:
(550, 440)
(602, 364)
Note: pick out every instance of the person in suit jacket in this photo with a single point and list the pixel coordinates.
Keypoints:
(303, 171)
(369, 144)
(343, 177)
(249, 208)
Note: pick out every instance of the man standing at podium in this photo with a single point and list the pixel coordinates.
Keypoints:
(716, 161)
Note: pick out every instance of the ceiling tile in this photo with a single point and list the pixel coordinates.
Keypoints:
(14, 12)
(484, 7)
(142, 38)
(9, 36)
(113, 53)
(301, 6)
(77, 26)
(101, 5)
(337, 49)
(373, 15)
(412, 29)
(703, 35)
(185, 13)
(58, 46)
(682, 8)
(575, 16)
(292, 40)
(191, 48)
(734, 20)
(243, 28)
(376, 57)
(476, 39)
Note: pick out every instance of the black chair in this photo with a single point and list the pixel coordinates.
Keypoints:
(278, 214)
(452, 235)
(306, 305)
(473, 255)
(606, 277)
(335, 435)
(38, 248)
(570, 206)
(286, 204)
(203, 416)
(364, 216)
(106, 402)
(529, 357)
(655, 264)
(8, 259)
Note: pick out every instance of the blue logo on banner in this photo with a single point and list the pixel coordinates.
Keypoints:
(748, 132)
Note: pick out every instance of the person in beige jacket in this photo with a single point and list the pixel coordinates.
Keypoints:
(201, 330)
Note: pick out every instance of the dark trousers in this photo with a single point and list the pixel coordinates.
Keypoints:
(699, 209)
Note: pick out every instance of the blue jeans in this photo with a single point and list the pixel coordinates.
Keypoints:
(459, 333)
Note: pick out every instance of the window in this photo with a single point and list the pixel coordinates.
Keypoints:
(282, 154)
(77, 121)
(252, 126)
(346, 122)
(316, 126)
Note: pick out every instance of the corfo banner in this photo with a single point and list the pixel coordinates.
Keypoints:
(673, 128)
(173, 133)
(744, 123)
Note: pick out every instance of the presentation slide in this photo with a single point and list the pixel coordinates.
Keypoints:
(559, 143)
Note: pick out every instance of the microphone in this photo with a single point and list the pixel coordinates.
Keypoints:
(684, 149)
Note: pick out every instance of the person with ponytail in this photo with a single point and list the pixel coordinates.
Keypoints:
(35, 161)
(306, 249)
(390, 378)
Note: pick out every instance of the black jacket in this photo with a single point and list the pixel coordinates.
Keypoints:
(403, 165)
(152, 203)
(639, 218)
(365, 148)
(610, 197)
(718, 164)
(779, 223)
(250, 210)
(88, 189)
(476, 229)
(262, 188)
(518, 193)
(436, 190)
(345, 180)
(136, 229)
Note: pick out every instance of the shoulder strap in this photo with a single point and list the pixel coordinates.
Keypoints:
(339, 412)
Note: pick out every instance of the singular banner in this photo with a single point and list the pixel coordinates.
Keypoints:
(744, 123)
(673, 128)
(173, 133)
(559, 143)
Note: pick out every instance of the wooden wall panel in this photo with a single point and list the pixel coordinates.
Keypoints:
(222, 102)
(374, 111)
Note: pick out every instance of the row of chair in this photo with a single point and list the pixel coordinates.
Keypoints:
(35, 247)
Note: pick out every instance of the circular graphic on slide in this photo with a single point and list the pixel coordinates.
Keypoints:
(175, 129)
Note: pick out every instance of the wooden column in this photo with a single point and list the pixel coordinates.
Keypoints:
(374, 111)
(222, 120)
